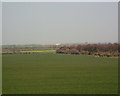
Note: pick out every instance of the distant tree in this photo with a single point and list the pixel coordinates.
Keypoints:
(91, 49)
(107, 49)
(73, 51)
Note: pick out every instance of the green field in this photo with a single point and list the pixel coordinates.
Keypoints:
(50, 73)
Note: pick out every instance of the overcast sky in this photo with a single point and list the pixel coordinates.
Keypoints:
(36, 23)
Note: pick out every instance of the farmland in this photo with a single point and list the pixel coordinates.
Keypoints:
(51, 73)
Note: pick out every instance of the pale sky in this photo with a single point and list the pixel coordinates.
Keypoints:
(36, 23)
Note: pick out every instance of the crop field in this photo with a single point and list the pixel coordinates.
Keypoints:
(29, 51)
(51, 73)
(45, 51)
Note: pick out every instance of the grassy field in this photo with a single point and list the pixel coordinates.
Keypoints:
(50, 73)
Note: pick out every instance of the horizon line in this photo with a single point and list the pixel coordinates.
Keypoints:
(58, 43)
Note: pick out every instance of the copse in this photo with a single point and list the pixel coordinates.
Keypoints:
(108, 50)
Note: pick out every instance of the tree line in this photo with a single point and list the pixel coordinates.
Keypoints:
(102, 50)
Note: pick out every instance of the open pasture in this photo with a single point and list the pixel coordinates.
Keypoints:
(51, 73)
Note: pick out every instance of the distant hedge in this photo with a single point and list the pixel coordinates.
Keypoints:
(108, 50)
